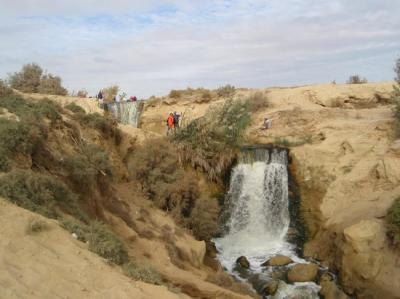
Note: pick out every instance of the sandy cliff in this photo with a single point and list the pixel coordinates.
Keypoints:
(347, 163)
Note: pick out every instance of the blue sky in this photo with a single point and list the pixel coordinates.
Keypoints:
(150, 47)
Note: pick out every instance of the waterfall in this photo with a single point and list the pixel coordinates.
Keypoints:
(126, 112)
(256, 213)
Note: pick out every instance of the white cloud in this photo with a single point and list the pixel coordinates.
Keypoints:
(157, 46)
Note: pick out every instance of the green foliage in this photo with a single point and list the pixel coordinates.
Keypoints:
(356, 79)
(37, 192)
(393, 222)
(75, 108)
(210, 142)
(156, 165)
(107, 126)
(16, 138)
(142, 273)
(86, 167)
(28, 79)
(31, 79)
(226, 91)
(76, 227)
(204, 218)
(50, 84)
(31, 109)
(4, 89)
(106, 244)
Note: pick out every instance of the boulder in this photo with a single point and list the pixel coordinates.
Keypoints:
(329, 289)
(303, 273)
(278, 260)
(270, 288)
(243, 262)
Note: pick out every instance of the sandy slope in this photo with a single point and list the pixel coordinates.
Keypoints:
(52, 264)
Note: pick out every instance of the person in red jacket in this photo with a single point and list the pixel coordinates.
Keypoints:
(170, 124)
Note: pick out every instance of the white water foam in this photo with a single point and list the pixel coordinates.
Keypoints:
(257, 216)
(126, 112)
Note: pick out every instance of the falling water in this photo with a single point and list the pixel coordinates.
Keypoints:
(256, 215)
(126, 112)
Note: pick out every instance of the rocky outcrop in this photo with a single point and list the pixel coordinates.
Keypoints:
(329, 288)
(303, 273)
(243, 262)
(278, 260)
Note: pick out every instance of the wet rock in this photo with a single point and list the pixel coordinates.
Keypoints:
(279, 273)
(270, 288)
(303, 273)
(211, 249)
(329, 289)
(278, 260)
(243, 262)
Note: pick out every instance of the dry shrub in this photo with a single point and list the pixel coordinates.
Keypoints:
(142, 273)
(39, 193)
(82, 93)
(356, 79)
(32, 79)
(226, 91)
(156, 165)
(106, 244)
(258, 101)
(204, 218)
(35, 225)
(75, 108)
(147, 234)
(393, 222)
(75, 227)
(4, 89)
(110, 92)
(175, 94)
(89, 168)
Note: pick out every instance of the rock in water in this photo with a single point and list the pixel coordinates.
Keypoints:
(278, 260)
(303, 273)
(243, 262)
(270, 288)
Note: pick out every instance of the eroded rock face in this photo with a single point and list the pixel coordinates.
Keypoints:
(329, 289)
(243, 262)
(303, 273)
(278, 260)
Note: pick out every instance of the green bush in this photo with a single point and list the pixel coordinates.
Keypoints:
(85, 167)
(226, 91)
(37, 192)
(75, 108)
(107, 126)
(16, 138)
(50, 84)
(106, 244)
(31, 79)
(210, 142)
(156, 165)
(31, 109)
(4, 89)
(76, 227)
(145, 274)
(393, 222)
(35, 225)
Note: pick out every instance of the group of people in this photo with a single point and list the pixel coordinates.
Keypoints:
(173, 122)
(118, 98)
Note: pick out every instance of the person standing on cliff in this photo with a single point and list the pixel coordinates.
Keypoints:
(170, 123)
(176, 120)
